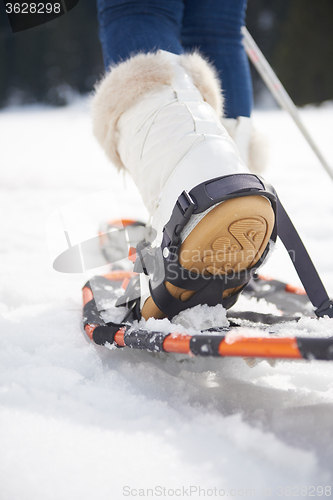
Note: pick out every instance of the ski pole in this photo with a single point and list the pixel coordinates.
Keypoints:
(278, 91)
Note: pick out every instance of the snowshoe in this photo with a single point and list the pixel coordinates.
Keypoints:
(112, 312)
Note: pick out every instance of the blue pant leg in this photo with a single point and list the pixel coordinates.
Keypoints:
(127, 27)
(214, 27)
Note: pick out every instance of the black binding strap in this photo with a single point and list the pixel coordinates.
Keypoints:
(303, 264)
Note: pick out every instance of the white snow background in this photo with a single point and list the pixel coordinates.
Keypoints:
(81, 422)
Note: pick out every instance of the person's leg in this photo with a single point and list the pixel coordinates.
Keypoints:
(128, 27)
(214, 27)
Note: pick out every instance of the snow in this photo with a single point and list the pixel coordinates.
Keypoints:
(202, 317)
(78, 421)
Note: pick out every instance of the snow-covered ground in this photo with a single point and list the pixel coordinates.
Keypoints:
(78, 421)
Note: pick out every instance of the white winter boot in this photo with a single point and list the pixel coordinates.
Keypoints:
(157, 116)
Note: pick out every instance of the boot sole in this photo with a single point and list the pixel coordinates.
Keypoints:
(230, 238)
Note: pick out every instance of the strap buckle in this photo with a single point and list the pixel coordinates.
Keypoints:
(180, 216)
(186, 203)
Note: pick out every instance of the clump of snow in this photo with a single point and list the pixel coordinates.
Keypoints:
(161, 325)
(114, 314)
(252, 304)
(309, 327)
(158, 325)
(244, 332)
(202, 317)
(190, 321)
